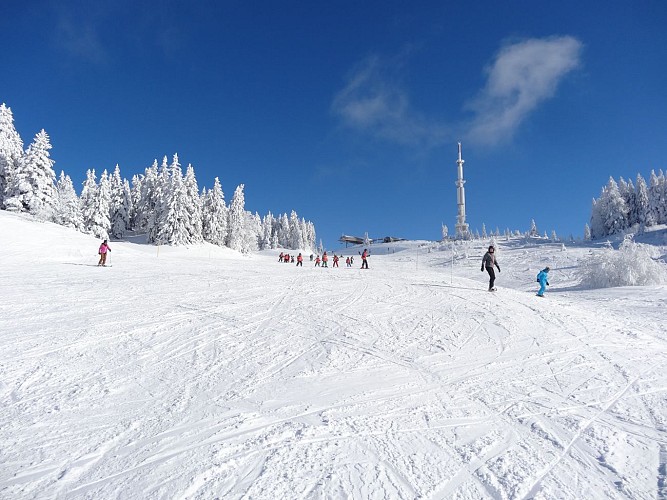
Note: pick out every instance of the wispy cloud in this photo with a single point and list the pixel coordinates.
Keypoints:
(375, 102)
(80, 36)
(523, 75)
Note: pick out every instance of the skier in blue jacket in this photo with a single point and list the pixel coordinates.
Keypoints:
(542, 277)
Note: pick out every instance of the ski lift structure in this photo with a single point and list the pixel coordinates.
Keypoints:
(356, 240)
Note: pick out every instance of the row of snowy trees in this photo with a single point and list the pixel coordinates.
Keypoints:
(162, 202)
(624, 206)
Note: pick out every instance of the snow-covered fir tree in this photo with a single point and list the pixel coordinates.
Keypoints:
(135, 193)
(214, 215)
(658, 197)
(266, 239)
(615, 209)
(445, 232)
(158, 200)
(193, 205)
(251, 231)
(622, 206)
(95, 203)
(587, 233)
(484, 235)
(120, 207)
(11, 150)
(32, 186)
(533, 232)
(640, 210)
(147, 198)
(175, 223)
(67, 210)
(236, 220)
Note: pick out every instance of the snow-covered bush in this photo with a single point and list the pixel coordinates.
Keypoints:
(631, 265)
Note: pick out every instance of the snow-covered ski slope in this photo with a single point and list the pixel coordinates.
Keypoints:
(200, 373)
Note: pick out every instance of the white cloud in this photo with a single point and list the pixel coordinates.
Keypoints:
(523, 75)
(374, 101)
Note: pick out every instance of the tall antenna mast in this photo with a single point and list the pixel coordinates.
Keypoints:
(462, 231)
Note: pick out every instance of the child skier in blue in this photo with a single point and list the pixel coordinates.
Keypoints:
(542, 278)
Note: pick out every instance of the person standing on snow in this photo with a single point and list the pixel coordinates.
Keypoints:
(542, 278)
(299, 260)
(335, 261)
(317, 261)
(488, 261)
(104, 249)
(325, 259)
(364, 259)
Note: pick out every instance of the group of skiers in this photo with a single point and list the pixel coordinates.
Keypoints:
(324, 260)
(489, 261)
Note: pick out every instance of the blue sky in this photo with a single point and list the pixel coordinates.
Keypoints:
(349, 112)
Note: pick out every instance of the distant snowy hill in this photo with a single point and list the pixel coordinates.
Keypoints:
(202, 373)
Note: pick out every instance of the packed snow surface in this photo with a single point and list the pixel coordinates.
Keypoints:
(201, 373)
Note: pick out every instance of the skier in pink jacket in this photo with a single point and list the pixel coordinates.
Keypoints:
(104, 249)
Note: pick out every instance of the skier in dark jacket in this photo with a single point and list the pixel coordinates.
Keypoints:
(488, 261)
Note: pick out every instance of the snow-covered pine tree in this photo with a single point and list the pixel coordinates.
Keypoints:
(193, 205)
(158, 201)
(627, 191)
(283, 231)
(214, 215)
(135, 192)
(657, 196)
(11, 150)
(147, 198)
(251, 232)
(484, 235)
(119, 211)
(597, 226)
(554, 236)
(67, 209)
(267, 231)
(175, 224)
(587, 233)
(641, 214)
(533, 232)
(615, 211)
(32, 188)
(311, 236)
(237, 220)
(95, 203)
(445, 232)
(86, 200)
(295, 237)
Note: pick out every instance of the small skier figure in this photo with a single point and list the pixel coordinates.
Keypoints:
(335, 259)
(488, 261)
(311, 257)
(325, 259)
(542, 278)
(299, 260)
(317, 261)
(292, 257)
(364, 259)
(347, 262)
(104, 249)
(280, 257)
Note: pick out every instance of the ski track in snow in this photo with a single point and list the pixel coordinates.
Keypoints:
(191, 377)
